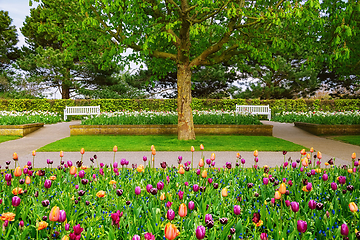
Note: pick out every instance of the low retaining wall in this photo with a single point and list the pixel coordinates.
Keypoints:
(19, 130)
(256, 130)
(319, 129)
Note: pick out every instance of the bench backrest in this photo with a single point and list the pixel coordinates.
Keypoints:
(78, 110)
(253, 108)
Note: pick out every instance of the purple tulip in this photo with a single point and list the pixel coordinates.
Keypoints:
(301, 226)
(210, 180)
(15, 201)
(77, 229)
(312, 204)
(294, 206)
(195, 187)
(242, 161)
(62, 216)
(21, 223)
(47, 183)
(301, 169)
(29, 163)
(286, 164)
(213, 164)
(294, 164)
(198, 171)
(181, 195)
(344, 230)
(208, 161)
(287, 203)
(309, 186)
(137, 190)
(170, 214)
(200, 232)
(325, 177)
(237, 210)
(144, 158)
(333, 186)
(312, 172)
(26, 171)
(160, 185)
(69, 163)
(265, 181)
(67, 227)
(136, 237)
(342, 180)
(356, 163)
(191, 205)
(148, 188)
(208, 217)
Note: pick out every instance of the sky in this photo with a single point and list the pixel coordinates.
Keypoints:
(18, 10)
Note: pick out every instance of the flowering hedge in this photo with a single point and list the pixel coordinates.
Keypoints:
(194, 200)
(320, 117)
(26, 117)
(154, 117)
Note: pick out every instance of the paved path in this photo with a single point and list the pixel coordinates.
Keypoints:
(54, 132)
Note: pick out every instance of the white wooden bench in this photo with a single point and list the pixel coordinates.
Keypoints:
(255, 110)
(81, 110)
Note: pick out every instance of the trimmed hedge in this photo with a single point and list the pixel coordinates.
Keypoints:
(171, 104)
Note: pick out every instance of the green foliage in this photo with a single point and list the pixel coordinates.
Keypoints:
(27, 117)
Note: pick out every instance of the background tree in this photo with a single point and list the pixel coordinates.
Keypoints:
(8, 50)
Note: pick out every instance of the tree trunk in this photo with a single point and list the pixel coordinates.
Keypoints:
(65, 92)
(185, 118)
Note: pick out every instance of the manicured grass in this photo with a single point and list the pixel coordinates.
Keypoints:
(8, 138)
(170, 143)
(352, 139)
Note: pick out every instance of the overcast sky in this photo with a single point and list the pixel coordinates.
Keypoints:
(18, 10)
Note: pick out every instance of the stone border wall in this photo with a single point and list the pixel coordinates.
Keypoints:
(319, 129)
(19, 130)
(251, 130)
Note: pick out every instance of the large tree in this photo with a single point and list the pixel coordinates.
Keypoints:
(8, 50)
(190, 34)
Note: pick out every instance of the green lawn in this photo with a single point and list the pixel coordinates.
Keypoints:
(170, 143)
(8, 138)
(352, 139)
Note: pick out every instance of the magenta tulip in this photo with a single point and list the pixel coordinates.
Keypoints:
(69, 163)
(62, 216)
(265, 181)
(148, 188)
(208, 217)
(294, 206)
(160, 185)
(170, 214)
(137, 190)
(47, 183)
(312, 204)
(115, 165)
(144, 158)
(325, 177)
(149, 236)
(344, 230)
(287, 203)
(301, 226)
(15, 201)
(237, 210)
(67, 227)
(195, 187)
(263, 236)
(200, 232)
(210, 180)
(308, 186)
(293, 164)
(136, 237)
(333, 186)
(191, 205)
(82, 174)
(342, 180)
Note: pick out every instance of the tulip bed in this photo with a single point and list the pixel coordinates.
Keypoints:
(154, 117)
(27, 117)
(194, 200)
(320, 117)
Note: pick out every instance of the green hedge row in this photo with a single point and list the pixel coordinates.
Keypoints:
(171, 104)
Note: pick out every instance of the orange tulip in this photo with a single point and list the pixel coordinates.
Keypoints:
(353, 207)
(171, 232)
(52, 178)
(17, 172)
(115, 148)
(182, 210)
(65, 237)
(27, 180)
(353, 156)
(17, 191)
(319, 155)
(15, 156)
(204, 174)
(34, 153)
(140, 168)
(61, 154)
(212, 157)
(8, 216)
(152, 147)
(238, 155)
(326, 164)
(224, 192)
(42, 225)
(303, 152)
(305, 162)
(112, 182)
(54, 214)
(82, 151)
(282, 188)
(201, 162)
(201, 147)
(308, 156)
(311, 149)
(181, 170)
(72, 170)
(192, 149)
(100, 194)
(162, 197)
(153, 152)
(256, 153)
(350, 170)
(277, 195)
